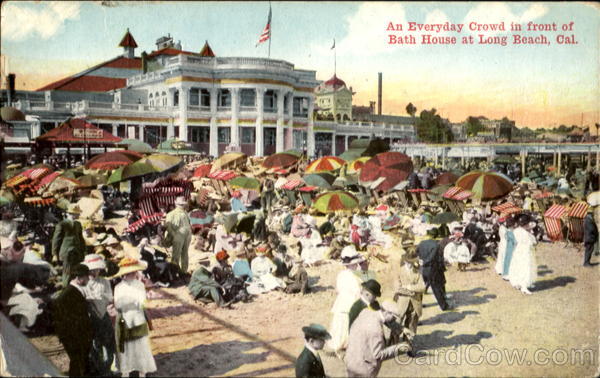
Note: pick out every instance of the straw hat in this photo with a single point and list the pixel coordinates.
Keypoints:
(129, 265)
(351, 256)
(94, 261)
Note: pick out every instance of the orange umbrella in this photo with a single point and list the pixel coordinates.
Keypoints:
(355, 166)
(393, 167)
(324, 164)
(280, 160)
(113, 159)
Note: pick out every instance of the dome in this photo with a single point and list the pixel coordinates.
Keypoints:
(335, 82)
(8, 114)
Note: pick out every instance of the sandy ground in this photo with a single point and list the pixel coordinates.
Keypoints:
(555, 330)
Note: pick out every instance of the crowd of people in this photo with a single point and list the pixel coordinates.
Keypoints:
(89, 281)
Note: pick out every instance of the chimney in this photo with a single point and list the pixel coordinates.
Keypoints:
(372, 106)
(11, 77)
(144, 62)
(379, 94)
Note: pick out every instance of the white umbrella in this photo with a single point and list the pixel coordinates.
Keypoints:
(593, 199)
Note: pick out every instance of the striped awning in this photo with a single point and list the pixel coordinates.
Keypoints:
(47, 180)
(452, 191)
(151, 219)
(510, 211)
(163, 191)
(578, 210)
(292, 184)
(462, 195)
(36, 173)
(555, 211)
(418, 190)
(14, 181)
(39, 201)
(544, 195)
(503, 207)
(308, 188)
(222, 175)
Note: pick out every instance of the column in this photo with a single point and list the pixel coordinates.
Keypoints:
(289, 143)
(279, 145)
(259, 148)
(558, 163)
(235, 113)
(346, 143)
(310, 134)
(523, 164)
(435, 162)
(131, 132)
(444, 158)
(115, 129)
(333, 136)
(554, 159)
(183, 105)
(171, 128)
(142, 132)
(589, 160)
(213, 149)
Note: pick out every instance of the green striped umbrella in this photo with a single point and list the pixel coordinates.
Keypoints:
(130, 171)
(486, 185)
(335, 201)
(137, 146)
(321, 180)
(242, 182)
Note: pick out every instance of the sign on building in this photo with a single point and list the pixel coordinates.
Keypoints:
(88, 133)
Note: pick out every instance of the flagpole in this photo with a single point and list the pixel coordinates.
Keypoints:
(270, 31)
(270, 36)
(334, 58)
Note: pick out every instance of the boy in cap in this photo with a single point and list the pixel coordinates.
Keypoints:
(309, 362)
(371, 289)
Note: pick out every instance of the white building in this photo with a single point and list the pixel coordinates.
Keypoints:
(255, 105)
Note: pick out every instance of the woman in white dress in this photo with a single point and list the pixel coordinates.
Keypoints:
(133, 341)
(501, 247)
(262, 272)
(348, 291)
(523, 267)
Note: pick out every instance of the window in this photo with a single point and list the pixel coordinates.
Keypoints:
(224, 135)
(224, 98)
(204, 97)
(270, 136)
(248, 135)
(270, 101)
(199, 134)
(176, 98)
(248, 97)
(300, 107)
(150, 100)
(194, 96)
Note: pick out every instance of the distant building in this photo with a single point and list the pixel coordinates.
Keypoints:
(459, 131)
(334, 100)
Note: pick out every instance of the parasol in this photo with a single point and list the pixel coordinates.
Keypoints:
(62, 183)
(280, 160)
(243, 182)
(324, 164)
(137, 146)
(355, 166)
(485, 185)
(113, 159)
(393, 166)
(203, 170)
(228, 160)
(91, 180)
(446, 178)
(321, 180)
(335, 201)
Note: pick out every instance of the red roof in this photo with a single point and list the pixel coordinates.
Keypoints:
(87, 83)
(170, 51)
(128, 40)
(122, 62)
(207, 51)
(72, 131)
(335, 82)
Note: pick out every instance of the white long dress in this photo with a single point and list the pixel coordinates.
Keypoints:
(348, 291)
(501, 250)
(263, 279)
(523, 267)
(130, 296)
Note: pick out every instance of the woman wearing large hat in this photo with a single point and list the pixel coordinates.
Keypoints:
(132, 329)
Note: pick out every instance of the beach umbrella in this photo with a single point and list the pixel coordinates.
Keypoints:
(335, 201)
(62, 183)
(356, 165)
(113, 159)
(280, 160)
(446, 178)
(393, 166)
(324, 164)
(343, 181)
(321, 180)
(296, 153)
(137, 146)
(162, 162)
(137, 169)
(485, 185)
(227, 160)
(593, 199)
(91, 180)
(203, 170)
(440, 189)
(242, 182)
(445, 217)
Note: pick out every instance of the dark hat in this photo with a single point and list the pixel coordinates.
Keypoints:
(373, 287)
(316, 331)
(80, 270)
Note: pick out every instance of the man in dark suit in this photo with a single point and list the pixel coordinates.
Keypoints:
(309, 362)
(72, 322)
(433, 267)
(590, 237)
(371, 289)
(68, 244)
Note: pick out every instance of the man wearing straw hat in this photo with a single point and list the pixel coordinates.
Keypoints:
(409, 290)
(179, 231)
(68, 244)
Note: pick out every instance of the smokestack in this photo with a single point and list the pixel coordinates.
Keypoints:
(379, 95)
(11, 87)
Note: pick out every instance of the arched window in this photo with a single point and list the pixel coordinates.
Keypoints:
(150, 100)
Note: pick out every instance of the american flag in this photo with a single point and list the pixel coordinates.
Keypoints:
(266, 34)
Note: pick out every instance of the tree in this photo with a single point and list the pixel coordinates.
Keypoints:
(432, 128)
(411, 109)
(506, 129)
(474, 126)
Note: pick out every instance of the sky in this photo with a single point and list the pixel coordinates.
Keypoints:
(537, 85)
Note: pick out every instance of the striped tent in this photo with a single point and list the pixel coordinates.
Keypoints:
(223, 175)
(576, 214)
(292, 184)
(552, 221)
(149, 219)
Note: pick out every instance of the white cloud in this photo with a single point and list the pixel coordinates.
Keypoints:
(495, 13)
(43, 19)
(367, 30)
